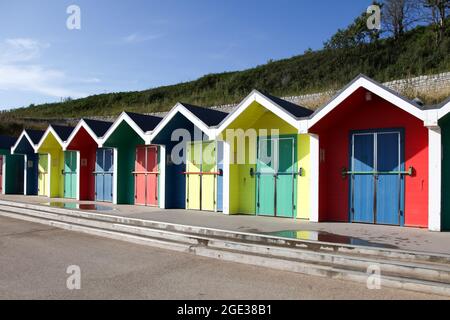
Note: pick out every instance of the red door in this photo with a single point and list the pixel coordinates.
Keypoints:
(152, 176)
(146, 176)
(139, 174)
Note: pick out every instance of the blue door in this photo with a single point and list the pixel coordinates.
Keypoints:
(363, 169)
(104, 175)
(377, 178)
(32, 161)
(389, 180)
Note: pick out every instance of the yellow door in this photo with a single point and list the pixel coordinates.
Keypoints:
(209, 168)
(193, 176)
(43, 175)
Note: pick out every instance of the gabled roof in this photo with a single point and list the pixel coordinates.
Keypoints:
(61, 134)
(62, 131)
(98, 127)
(140, 123)
(202, 118)
(288, 111)
(6, 142)
(95, 128)
(33, 137)
(294, 109)
(145, 122)
(382, 91)
(209, 116)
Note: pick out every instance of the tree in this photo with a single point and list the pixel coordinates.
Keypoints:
(400, 15)
(438, 13)
(354, 35)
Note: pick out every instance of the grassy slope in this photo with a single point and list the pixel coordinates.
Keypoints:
(415, 54)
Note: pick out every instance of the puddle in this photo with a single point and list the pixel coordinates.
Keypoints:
(327, 237)
(79, 206)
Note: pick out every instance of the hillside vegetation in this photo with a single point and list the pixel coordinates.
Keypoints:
(416, 53)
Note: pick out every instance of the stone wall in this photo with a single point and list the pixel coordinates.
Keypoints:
(431, 82)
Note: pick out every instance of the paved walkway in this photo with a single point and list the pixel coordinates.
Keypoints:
(359, 234)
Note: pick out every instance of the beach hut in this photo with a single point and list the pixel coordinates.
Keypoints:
(55, 163)
(268, 168)
(11, 168)
(95, 178)
(25, 146)
(191, 166)
(442, 131)
(375, 152)
(126, 137)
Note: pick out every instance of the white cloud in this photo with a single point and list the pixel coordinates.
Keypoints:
(137, 38)
(19, 71)
(20, 50)
(35, 78)
(91, 80)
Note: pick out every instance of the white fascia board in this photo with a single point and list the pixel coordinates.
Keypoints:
(277, 110)
(256, 96)
(179, 108)
(303, 126)
(148, 136)
(163, 123)
(52, 131)
(374, 88)
(432, 118)
(81, 124)
(123, 117)
(22, 135)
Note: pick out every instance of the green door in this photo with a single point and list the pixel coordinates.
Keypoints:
(70, 174)
(286, 178)
(276, 177)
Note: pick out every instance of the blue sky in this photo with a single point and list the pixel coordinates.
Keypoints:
(139, 44)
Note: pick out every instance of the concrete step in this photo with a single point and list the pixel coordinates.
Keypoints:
(315, 246)
(387, 265)
(431, 278)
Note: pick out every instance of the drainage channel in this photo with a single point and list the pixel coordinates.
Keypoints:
(322, 236)
(78, 206)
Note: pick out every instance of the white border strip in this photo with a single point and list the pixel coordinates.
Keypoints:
(179, 108)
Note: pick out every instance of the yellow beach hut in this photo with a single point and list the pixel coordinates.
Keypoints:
(51, 165)
(268, 170)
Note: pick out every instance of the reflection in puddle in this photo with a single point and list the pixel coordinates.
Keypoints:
(327, 237)
(80, 206)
